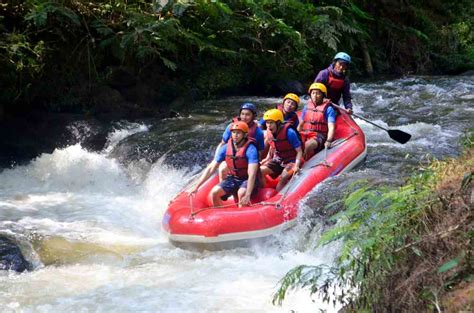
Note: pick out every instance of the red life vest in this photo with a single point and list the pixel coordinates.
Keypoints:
(291, 117)
(314, 119)
(252, 128)
(336, 85)
(237, 160)
(283, 148)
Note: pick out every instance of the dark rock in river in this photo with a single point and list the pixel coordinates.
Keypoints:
(468, 73)
(286, 86)
(11, 257)
(25, 137)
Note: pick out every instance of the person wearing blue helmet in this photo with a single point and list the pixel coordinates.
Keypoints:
(247, 114)
(334, 77)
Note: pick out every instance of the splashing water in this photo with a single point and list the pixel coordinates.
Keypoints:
(90, 222)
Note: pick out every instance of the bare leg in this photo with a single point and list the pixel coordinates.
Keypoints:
(309, 149)
(241, 194)
(264, 170)
(217, 192)
(284, 177)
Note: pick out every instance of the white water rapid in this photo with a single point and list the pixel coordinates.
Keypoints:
(91, 224)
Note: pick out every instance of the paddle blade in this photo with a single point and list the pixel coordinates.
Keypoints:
(399, 135)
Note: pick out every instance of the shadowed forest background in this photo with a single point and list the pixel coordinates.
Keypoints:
(136, 58)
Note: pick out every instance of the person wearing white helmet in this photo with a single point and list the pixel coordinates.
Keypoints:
(334, 77)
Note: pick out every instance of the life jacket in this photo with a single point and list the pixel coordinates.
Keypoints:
(314, 118)
(335, 83)
(291, 117)
(252, 127)
(236, 160)
(283, 148)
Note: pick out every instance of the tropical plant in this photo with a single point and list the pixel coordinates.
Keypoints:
(402, 248)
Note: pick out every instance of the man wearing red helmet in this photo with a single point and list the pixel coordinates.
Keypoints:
(241, 156)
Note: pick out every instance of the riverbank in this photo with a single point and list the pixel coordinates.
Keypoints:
(133, 58)
(90, 222)
(404, 248)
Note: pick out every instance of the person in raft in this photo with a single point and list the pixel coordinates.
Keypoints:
(284, 157)
(241, 156)
(288, 107)
(247, 114)
(334, 78)
(318, 121)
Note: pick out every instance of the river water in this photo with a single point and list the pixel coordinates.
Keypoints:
(90, 221)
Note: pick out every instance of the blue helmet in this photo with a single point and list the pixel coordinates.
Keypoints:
(342, 56)
(249, 106)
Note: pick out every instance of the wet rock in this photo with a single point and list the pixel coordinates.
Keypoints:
(120, 77)
(141, 94)
(107, 100)
(23, 138)
(11, 257)
(286, 86)
(468, 73)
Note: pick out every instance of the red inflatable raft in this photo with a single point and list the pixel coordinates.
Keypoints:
(192, 219)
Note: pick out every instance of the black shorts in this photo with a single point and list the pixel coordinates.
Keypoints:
(277, 167)
(232, 184)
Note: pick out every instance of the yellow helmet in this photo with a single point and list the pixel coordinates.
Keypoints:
(318, 86)
(273, 115)
(293, 97)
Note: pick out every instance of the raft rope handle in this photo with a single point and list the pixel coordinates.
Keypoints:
(191, 204)
(220, 207)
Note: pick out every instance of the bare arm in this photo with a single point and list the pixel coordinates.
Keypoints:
(269, 156)
(300, 126)
(299, 156)
(211, 167)
(252, 172)
(331, 130)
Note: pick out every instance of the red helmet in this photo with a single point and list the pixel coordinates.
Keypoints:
(242, 126)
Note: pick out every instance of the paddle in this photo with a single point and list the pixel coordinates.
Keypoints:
(395, 134)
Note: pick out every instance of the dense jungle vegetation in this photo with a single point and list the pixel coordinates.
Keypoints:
(403, 249)
(136, 56)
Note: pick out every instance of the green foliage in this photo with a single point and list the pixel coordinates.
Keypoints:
(383, 230)
(46, 45)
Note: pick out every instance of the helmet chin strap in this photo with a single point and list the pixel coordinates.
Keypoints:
(278, 126)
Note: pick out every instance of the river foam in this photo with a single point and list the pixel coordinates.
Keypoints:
(91, 221)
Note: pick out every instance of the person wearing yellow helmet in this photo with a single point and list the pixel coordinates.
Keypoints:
(288, 107)
(318, 121)
(241, 156)
(285, 155)
(334, 77)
